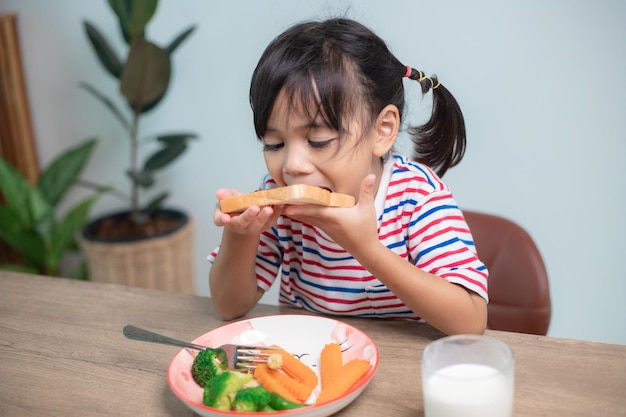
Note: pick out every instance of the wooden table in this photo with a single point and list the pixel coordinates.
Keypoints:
(62, 353)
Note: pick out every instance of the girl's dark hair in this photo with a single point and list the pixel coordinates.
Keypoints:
(336, 68)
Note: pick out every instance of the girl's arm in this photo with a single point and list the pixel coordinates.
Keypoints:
(232, 278)
(449, 307)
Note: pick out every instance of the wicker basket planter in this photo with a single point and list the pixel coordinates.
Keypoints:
(163, 262)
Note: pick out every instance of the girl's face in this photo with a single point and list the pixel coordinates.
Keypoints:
(300, 151)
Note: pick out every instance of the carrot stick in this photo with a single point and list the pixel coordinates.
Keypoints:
(297, 388)
(331, 363)
(264, 376)
(350, 374)
(297, 369)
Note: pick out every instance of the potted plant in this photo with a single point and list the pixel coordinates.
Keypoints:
(28, 215)
(144, 244)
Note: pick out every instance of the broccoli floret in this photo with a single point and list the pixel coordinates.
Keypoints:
(251, 399)
(208, 364)
(221, 389)
(279, 403)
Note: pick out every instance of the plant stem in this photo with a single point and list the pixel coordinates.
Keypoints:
(104, 189)
(134, 145)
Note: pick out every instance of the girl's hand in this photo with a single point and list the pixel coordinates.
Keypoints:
(350, 227)
(253, 221)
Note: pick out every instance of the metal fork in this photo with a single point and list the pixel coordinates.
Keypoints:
(234, 356)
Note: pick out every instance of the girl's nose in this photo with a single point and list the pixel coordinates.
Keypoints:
(296, 162)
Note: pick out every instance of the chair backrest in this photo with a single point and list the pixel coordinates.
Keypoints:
(519, 295)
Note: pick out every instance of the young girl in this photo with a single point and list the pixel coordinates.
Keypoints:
(328, 101)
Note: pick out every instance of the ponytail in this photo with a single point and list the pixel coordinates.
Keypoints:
(440, 142)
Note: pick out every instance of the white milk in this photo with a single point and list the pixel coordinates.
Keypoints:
(468, 390)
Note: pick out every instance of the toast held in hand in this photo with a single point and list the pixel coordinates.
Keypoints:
(291, 194)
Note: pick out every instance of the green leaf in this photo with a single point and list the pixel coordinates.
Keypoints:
(156, 202)
(179, 40)
(122, 9)
(176, 137)
(133, 16)
(30, 245)
(109, 188)
(106, 55)
(143, 178)
(24, 240)
(108, 103)
(73, 245)
(19, 268)
(63, 171)
(15, 189)
(146, 75)
(141, 13)
(9, 224)
(146, 107)
(63, 235)
(165, 155)
(42, 215)
(81, 272)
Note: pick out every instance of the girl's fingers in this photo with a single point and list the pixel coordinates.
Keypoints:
(254, 220)
(368, 191)
(223, 193)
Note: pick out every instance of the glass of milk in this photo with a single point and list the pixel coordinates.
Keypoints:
(469, 376)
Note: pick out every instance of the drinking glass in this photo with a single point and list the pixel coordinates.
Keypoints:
(469, 376)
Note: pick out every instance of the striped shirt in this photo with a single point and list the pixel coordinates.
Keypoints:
(418, 219)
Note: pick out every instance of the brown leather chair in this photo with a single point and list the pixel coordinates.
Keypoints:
(519, 295)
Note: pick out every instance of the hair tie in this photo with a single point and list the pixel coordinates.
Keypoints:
(421, 77)
(432, 83)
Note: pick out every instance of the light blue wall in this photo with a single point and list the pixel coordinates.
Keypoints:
(541, 84)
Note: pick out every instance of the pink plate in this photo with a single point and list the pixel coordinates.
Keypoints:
(305, 336)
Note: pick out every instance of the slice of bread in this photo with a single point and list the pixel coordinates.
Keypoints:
(292, 194)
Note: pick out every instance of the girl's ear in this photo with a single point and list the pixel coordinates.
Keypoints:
(387, 127)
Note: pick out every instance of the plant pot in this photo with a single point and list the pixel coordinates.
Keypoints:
(162, 261)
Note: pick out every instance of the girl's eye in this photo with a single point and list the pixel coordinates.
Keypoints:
(319, 144)
(269, 147)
